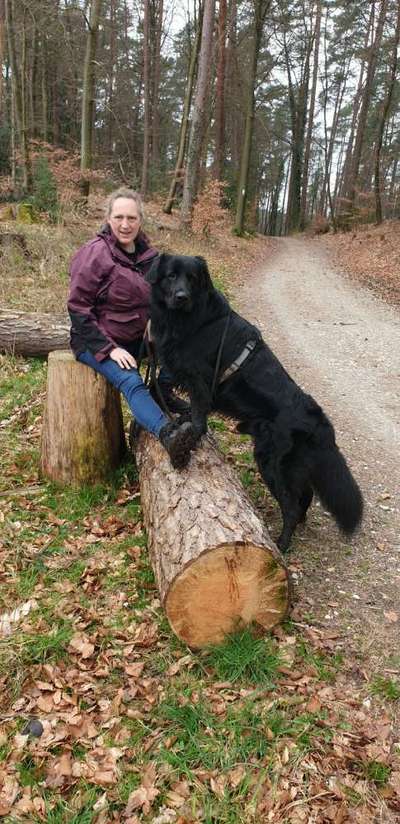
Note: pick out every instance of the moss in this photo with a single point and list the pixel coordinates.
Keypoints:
(26, 213)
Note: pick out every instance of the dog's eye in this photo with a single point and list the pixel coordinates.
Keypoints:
(171, 276)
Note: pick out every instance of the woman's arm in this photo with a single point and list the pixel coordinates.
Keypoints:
(89, 273)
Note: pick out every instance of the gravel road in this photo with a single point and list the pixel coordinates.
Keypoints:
(342, 345)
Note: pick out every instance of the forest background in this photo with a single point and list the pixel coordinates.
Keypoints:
(289, 110)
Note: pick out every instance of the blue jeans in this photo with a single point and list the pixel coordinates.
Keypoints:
(129, 382)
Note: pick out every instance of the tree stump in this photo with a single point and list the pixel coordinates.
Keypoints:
(216, 567)
(83, 437)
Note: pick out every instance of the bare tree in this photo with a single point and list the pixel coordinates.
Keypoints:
(146, 97)
(384, 114)
(199, 120)
(261, 9)
(220, 94)
(365, 102)
(19, 100)
(307, 151)
(177, 174)
(88, 91)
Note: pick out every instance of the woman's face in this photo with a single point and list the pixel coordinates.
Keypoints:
(125, 221)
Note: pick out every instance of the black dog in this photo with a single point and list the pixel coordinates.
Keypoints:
(223, 363)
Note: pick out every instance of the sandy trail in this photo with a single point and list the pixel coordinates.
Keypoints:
(342, 344)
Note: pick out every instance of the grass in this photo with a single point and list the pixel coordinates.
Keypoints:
(387, 688)
(243, 657)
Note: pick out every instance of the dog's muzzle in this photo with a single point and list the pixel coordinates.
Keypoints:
(181, 300)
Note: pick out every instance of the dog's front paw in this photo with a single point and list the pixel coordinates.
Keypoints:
(185, 417)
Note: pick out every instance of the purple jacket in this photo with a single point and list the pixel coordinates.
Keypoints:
(109, 298)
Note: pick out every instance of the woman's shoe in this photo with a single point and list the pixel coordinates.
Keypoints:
(178, 440)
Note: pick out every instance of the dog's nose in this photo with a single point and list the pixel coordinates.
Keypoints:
(181, 296)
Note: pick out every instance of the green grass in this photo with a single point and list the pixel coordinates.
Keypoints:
(386, 688)
(20, 385)
(377, 772)
(243, 657)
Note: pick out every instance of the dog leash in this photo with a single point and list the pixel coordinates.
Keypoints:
(219, 356)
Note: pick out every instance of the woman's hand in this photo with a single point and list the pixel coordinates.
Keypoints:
(123, 358)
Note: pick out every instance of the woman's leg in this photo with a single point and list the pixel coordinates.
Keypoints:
(128, 381)
(177, 439)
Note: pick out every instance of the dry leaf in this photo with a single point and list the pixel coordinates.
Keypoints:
(391, 616)
(80, 643)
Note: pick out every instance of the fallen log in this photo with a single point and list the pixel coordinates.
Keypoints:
(83, 437)
(32, 334)
(216, 567)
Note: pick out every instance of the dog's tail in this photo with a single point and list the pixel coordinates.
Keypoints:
(337, 489)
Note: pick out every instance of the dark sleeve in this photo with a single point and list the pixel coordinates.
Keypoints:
(88, 276)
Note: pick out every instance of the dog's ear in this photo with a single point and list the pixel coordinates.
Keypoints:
(154, 274)
(205, 278)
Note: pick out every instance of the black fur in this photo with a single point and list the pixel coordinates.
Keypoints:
(294, 442)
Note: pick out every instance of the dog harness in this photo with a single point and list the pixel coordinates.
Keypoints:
(237, 363)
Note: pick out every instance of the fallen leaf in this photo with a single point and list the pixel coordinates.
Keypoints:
(80, 643)
(391, 616)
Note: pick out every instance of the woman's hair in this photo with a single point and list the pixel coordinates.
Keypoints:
(128, 193)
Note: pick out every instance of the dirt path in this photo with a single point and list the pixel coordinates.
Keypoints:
(342, 345)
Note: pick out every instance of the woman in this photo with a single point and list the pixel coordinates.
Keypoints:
(109, 307)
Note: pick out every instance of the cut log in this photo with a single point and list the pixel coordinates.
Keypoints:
(216, 567)
(32, 334)
(83, 438)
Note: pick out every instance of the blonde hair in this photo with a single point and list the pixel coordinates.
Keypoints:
(128, 193)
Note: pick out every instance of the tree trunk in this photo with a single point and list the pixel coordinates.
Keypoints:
(298, 116)
(146, 98)
(307, 152)
(88, 92)
(155, 125)
(383, 118)
(215, 565)
(261, 8)
(360, 137)
(218, 170)
(199, 121)
(178, 172)
(32, 334)
(18, 99)
(83, 439)
(2, 59)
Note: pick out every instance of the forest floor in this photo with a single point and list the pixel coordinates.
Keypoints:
(104, 715)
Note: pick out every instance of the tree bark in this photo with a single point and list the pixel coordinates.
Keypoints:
(18, 98)
(215, 565)
(158, 10)
(32, 334)
(218, 169)
(82, 438)
(386, 106)
(177, 175)
(88, 91)
(146, 98)
(365, 102)
(199, 122)
(2, 57)
(310, 125)
(261, 8)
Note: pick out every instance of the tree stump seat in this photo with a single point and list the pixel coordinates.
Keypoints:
(83, 437)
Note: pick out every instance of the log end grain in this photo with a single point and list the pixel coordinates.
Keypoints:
(226, 589)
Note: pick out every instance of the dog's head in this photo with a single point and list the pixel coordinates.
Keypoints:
(179, 281)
